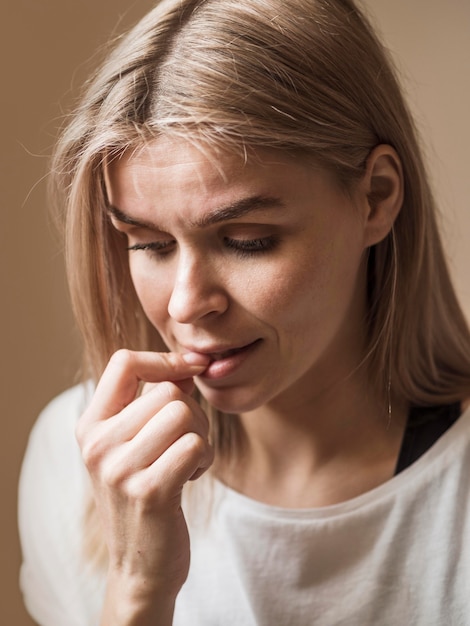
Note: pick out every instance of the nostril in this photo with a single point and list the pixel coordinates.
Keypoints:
(198, 289)
(185, 306)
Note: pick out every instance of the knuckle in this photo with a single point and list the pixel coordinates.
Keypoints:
(140, 491)
(80, 433)
(82, 427)
(122, 358)
(180, 410)
(173, 362)
(194, 445)
(170, 391)
(180, 415)
(113, 474)
(92, 449)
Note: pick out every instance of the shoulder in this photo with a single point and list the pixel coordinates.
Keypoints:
(53, 491)
(52, 451)
(52, 444)
(64, 410)
(52, 467)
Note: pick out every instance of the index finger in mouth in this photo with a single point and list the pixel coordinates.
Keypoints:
(127, 369)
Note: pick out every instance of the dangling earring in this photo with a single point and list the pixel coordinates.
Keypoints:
(389, 401)
(394, 284)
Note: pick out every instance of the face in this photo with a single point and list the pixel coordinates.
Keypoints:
(260, 265)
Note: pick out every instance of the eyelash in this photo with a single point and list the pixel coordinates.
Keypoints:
(250, 247)
(156, 247)
(242, 247)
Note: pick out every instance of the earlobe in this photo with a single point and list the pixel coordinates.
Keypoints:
(383, 186)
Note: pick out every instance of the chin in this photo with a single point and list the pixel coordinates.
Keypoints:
(232, 400)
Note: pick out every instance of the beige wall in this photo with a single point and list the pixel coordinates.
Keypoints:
(44, 46)
(431, 43)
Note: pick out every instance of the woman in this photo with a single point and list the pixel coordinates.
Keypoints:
(267, 314)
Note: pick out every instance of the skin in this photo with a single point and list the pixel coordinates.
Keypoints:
(284, 280)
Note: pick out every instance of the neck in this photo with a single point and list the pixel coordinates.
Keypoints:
(321, 447)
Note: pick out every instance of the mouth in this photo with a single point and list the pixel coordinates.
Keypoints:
(225, 362)
(219, 356)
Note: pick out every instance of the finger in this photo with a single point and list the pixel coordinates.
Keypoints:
(159, 433)
(125, 371)
(130, 421)
(172, 422)
(97, 439)
(190, 456)
(186, 385)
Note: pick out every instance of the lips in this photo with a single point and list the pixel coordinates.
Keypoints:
(219, 353)
(224, 365)
(218, 356)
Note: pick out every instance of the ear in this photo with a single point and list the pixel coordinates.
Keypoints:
(383, 189)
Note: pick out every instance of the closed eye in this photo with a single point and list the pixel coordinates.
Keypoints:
(242, 247)
(250, 247)
(157, 248)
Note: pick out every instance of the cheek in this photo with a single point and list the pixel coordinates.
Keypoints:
(314, 291)
(152, 293)
(285, 294)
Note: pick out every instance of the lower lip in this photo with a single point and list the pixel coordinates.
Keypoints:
(225, 367)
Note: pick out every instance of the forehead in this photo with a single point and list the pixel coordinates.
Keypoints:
(173, 182)
(165, 162)
(172, 171)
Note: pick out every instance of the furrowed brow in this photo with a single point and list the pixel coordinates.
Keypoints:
(238, 209)
(120, 216)
(232, 211)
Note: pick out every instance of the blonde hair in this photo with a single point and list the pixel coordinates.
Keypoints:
(306, 76)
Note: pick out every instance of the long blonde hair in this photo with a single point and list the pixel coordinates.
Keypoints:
(307, 76)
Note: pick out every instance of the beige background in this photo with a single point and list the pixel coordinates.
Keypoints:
(45, 47)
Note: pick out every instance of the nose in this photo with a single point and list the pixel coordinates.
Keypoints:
(197, 290)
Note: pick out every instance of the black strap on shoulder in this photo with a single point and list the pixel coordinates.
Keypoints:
(424, 427)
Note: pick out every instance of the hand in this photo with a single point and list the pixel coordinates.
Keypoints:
(140, 450)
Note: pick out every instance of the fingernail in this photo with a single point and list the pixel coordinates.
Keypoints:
(196, 358)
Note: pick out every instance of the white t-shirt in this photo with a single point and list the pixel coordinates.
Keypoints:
(398, 555)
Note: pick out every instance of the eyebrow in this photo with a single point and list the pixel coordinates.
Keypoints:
(231, 211)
